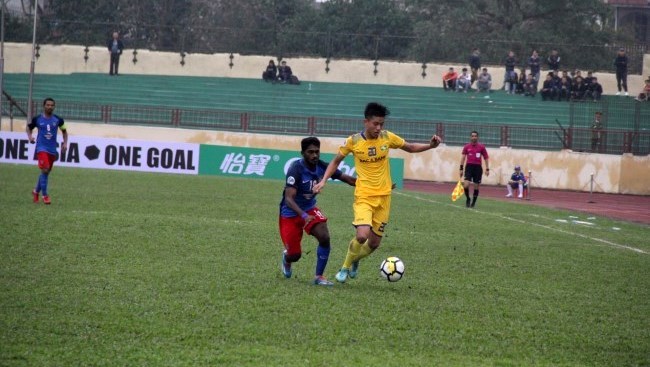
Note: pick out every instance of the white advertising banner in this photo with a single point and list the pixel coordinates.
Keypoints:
(105, 153)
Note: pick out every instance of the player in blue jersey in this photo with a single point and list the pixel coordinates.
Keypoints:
(48, 125)
(298, 210)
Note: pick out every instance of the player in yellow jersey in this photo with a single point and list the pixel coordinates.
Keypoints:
(373, 187)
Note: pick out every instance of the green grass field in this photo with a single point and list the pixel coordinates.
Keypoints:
(134, 269)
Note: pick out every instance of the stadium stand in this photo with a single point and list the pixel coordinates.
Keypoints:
(330, 108)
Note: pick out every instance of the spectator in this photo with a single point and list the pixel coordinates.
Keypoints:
(449, 80)
(589, 78)
(621, 71)
(115, 47)
(597, 132)
(521, 81)
(475, 64)
(286, 75)
(530, 86)
(565, 89)
(534, 66)
(645, 94)
(565, 74)
(484, 82)
(594, 90)
(510, 74)
(517, 181)
(548, 88)
(271, 72)
(578, 89)
(464, 82)
(553, 61)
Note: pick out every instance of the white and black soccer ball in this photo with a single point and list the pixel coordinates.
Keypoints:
(392, 269)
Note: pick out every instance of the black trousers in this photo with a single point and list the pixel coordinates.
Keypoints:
(115, 63)
(621, 79)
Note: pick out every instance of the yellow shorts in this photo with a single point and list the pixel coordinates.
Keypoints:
(373, 211)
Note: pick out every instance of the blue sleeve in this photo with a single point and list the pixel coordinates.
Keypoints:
(337, 175)
(61, 122)
(294, 175)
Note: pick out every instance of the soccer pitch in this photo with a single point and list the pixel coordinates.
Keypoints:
(135, 269)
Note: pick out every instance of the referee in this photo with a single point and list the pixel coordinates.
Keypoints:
(471, 167)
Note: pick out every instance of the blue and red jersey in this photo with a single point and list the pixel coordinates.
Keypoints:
(303, 179)
(474, 153)
(48, 127)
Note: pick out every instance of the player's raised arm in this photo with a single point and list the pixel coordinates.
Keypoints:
(421, 147)
(331, 168)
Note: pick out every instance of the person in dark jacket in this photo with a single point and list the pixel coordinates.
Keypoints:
(510, 74)
(548, 88)
(534, 64)
(285, 74)
(564, 89)
(271, 72)
(621, 71)
(475, 63)
(553, 61)
(578, 89)
(115, 47)
(594, 90)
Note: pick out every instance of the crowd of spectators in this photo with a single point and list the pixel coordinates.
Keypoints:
(556, 84)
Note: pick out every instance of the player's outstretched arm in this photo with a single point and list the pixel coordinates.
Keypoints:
(420, 147)
(331, 168)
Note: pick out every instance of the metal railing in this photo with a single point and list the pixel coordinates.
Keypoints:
(577, 137)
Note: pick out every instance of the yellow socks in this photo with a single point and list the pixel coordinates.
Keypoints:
(353, 252)
(364, 251)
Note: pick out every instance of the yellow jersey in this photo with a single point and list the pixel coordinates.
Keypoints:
(371, 161)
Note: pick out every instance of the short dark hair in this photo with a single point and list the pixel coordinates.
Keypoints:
(598, 113)
(474, 132)
(464, 69)
(48, 99)
(306, 142)
(374, 109)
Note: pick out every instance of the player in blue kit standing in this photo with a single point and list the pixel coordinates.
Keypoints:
(298, 210)
(48, 125)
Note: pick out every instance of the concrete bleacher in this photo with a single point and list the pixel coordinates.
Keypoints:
(343, 100)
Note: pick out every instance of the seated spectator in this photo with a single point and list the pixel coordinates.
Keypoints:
(578, 89)
(548, 88)
(464, 81)
(565, 74)
(286, 75)
(564, 91)
(517, 181)
(645, 93)
(271, 72)
(530, 89)
(484, 81)
(588, 79)
(594, 90)
(449, 80)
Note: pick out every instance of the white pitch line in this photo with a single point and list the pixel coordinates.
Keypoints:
(601, 240)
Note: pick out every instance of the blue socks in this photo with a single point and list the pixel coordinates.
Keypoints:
(41, 184)
(322, 255)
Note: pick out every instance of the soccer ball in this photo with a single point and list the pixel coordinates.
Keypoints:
(392, 269)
